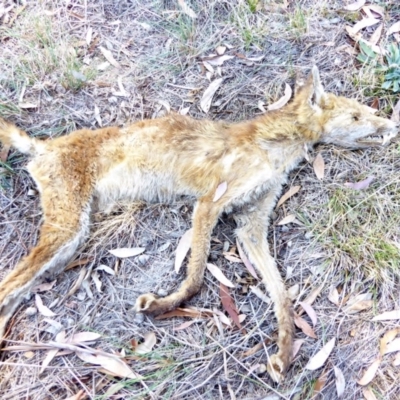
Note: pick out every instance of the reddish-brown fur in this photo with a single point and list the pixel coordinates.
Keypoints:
(155, 160)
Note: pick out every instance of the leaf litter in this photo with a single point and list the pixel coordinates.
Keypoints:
(219, 275)
(319, 359)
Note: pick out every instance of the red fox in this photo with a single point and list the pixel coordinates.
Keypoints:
(156, 160)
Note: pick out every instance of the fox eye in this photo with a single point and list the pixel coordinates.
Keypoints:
(356, 117)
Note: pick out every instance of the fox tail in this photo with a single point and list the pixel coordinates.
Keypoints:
(10, 135)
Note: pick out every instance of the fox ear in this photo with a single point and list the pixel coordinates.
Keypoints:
(318, 89)
(312, 90)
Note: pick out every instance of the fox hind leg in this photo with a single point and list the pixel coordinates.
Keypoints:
(62, 232)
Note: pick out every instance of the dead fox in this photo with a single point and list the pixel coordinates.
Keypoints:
(157, 160)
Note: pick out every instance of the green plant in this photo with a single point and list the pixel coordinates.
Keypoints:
(390, 67)
(252, 5)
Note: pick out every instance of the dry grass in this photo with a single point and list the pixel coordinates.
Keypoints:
(349, 240)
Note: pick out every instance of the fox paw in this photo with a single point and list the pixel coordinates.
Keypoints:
(146, 303)
(276, 368)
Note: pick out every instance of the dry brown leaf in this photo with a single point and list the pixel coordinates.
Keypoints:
(150, 341)
(333, 296)
(361, 185)
(78, 282)
(374, 39)
(355, 36)
(27, 105)
(245, 260)
(184, 111)
(182, 249)
(44, 287)
(117, 366)
(61, 336)
(387, 338)
(78, 263)
(394, 28)
(375, 103)
(186, 312)
(220, 50)
(319, 384)
(313, 295)
(47, 360)
(365, 22)
(393, 346)
(358, 306)
(219, 275)
(319, 166)
(310, 312)
(42, 308)
(4, 152)
(293, 291)
(105, 268)
(185, 325)
(296, 347)
(291, 192)
(88, 37)
(222, 317)
(29, 354)
(388, 315)
(229, 305)
(283, 100)
(396, 361)
(205, 102)
(377, 9)
(109, 57)
(339, 381)
(255, 348)
(287, 220)
(81, 337)
(260, 294)
(368, 394)
(218, 60)
(396, 113)
(320, 358)
(97, 281)
(221, 189)
(369, 374)
(97, 115)
(186, 9)
(231, 257)
(354, 6)
(256, 58)
(124, 252)
(304, 326)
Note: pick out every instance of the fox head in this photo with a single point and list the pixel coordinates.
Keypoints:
(339, 120)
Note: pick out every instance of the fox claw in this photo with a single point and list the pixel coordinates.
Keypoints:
(146, 303)
(276, 368)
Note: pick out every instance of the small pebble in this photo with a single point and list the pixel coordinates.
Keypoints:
(162, 293)
(30, 311)
(142, 259)
(138, 319)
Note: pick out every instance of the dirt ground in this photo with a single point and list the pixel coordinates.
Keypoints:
(71, 64)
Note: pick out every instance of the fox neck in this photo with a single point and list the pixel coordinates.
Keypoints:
(290, 127)
(287, 136)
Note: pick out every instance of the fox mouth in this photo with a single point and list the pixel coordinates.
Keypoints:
(377, 140)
